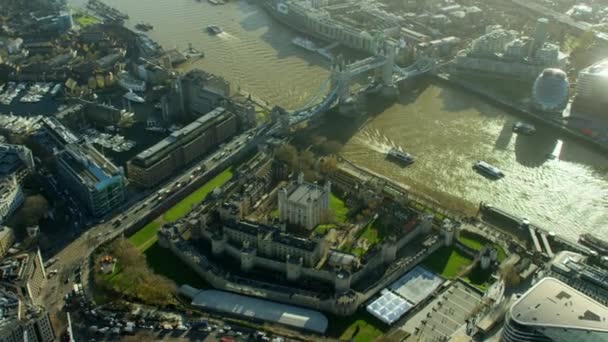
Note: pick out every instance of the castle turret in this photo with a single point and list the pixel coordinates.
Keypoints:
(248, 255)
(342, 281)
(218, 244)
(293, 268)
(449, 231)
(389, 250)
(487, 256)
(426, 223)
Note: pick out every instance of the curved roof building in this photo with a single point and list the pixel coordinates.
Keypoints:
(550, 91)
(554, 311)
(250, 307)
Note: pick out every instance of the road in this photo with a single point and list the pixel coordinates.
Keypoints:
(76, 254)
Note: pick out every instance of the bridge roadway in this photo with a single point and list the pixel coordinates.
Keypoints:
(311, 111)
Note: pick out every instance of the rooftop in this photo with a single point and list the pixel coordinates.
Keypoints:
(257, 308)
(273, 233)
(165, 146)
(598, 69)
(92, 167)
(305, 192)
(388, 307)
(552, 303)
(7, 187)
(59, 132)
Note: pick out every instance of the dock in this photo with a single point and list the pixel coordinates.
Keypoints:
(513, 224)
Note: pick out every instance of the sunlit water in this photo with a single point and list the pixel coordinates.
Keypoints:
(444, 128)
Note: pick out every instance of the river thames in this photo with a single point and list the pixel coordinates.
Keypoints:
(445, 128)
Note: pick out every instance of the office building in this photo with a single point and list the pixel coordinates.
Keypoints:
(92, 178)
(502, 54)
(554, 311)
(181, 148)
(541, 32)
(15, 160)
(591, 84)
(25, 275)
(7, 238)
(303, 203)
(194, 94)
(21, 321)
(11, 196)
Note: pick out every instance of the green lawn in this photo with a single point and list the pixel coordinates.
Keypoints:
(184, 206)
(146, 237)
(338, 207)
(344, 327)
(358, 251)
(447, 262)
(324, 228)
(274, 213)
(85, 20)
(162, 261)
(471, 243)
(501, 254)
(477, 242)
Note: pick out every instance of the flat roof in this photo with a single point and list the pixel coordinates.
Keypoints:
(153, 153)
(388, 307)
(257, 308)
(417, 284)
(303, 192)
(552, 303)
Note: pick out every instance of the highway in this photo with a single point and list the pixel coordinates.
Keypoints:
(76, 254)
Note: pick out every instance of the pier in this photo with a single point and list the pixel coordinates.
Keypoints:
(517, 226)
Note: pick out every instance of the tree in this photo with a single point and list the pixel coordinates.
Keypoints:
(33, 210)
(329, 165)
(306, 159)
(286, 153)
(318, 140)
(510, 276)
(331, 147)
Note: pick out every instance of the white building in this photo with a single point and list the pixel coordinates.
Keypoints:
(7, 238)
(592, 82)
(11, 196)
(304, 203)
(493, 42)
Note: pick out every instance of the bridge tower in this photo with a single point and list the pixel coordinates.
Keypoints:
(390, 53)
(340, 78)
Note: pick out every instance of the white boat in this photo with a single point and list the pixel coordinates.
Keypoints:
(488, 169)
(402, 157)
(524, 128)
(131, 96)
(305, 43)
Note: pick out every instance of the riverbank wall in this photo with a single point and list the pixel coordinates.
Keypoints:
(520, 110)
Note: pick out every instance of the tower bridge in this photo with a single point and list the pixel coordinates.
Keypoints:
(339, 92)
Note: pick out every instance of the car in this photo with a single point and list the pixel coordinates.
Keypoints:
(66, 281)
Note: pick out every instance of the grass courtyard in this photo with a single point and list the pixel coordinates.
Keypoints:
(447, 262)
(146, 237)
(84, 20)
(344, 328)
(477, 242)
(337, 206)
